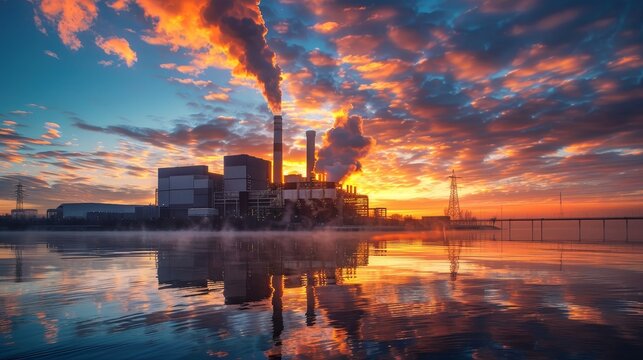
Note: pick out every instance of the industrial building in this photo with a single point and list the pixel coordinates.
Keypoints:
(24, 213)
(317, 201)
(101, 211)
(249, 194)
(245, 173)
(188, 187)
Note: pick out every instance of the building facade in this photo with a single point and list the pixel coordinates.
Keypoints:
(102, 211)
(187, 187)
(245, 173)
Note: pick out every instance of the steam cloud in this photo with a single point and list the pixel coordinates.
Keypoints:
(344, 145)
(243, 31)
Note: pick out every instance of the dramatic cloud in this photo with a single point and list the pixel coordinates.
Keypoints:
(326, 28)
(344, 145)
(119, 47)
(70, 17)
(220, 33)
(46, 194)
(523, 98)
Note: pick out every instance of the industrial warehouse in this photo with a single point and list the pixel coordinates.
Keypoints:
(251, 193)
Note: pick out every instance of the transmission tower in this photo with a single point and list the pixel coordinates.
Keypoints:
(20, 197)
(454, 203)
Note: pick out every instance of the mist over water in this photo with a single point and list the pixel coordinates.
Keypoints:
(321, 295)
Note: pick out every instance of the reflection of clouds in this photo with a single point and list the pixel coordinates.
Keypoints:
(50, 326)
(326, 299)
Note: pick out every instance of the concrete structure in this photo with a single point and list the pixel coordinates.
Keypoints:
(257, 204)
(183, 188)
(97, 211)
(245, 173)
(277, 157)
(310, 190)
(310, 155)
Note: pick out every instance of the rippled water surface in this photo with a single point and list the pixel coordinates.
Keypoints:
(317, 295)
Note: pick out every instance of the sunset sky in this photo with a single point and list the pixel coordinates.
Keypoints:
(525, 99)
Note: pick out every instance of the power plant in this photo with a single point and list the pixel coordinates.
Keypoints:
(249, 194)
(247, 198)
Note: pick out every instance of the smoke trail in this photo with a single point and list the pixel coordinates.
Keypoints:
(242, 31)
(216, 33)
(344, 145)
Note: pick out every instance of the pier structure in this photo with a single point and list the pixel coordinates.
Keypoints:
(540, 222)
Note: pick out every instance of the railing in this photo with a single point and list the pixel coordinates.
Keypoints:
(580, 220)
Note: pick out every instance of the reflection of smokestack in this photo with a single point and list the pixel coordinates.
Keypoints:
(277, 157)
(310, 155)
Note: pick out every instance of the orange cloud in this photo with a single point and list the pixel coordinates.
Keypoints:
(119, 47)
(548, 23)
(357, 44)
(563, 65)
(326, 27)
(628, 58)
(71, 17)
(52, 131)
(212, 96)
(318, 58)
(407, 39)
(382, 70)
(119, 5)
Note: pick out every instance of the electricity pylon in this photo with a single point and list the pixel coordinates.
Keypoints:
(454, 203)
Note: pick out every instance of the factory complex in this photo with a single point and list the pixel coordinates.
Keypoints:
(251, 193)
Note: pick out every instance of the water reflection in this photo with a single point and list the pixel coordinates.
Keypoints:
(453, 248)
(317, 295)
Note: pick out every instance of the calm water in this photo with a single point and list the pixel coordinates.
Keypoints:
(317, 295)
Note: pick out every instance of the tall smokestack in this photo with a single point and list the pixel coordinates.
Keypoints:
(277, 155)
(310, 155)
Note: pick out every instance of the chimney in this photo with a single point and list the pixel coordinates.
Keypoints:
(277, 155)
(355, 190)
(310, 155)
